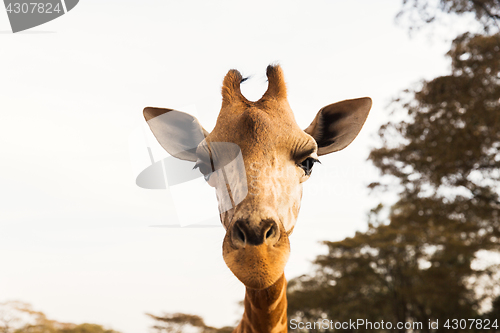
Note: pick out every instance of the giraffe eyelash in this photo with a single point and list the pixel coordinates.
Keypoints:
(307, 165)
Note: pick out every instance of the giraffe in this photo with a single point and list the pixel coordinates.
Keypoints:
(259, 201)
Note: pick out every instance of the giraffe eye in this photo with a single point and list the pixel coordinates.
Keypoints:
(308, 164)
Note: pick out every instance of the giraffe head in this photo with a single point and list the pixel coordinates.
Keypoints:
(257, 158)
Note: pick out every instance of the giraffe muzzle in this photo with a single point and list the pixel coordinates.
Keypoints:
(256, 251)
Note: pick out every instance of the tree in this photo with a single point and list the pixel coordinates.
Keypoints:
(383, 274)
(422, 12)
(494, 314)
(86, 328)
(16, 316)
(415, 262)
(448, 165)
(19, 317)
(179, 322)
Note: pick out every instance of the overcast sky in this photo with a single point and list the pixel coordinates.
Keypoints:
(75, 231)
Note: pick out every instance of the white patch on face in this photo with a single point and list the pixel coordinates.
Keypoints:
(270, 188)
(229, 177)
(274, 192)
(285, 193)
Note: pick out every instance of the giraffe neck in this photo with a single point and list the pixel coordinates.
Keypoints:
(265, 310)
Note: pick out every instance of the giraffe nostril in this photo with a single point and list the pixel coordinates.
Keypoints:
(270, 232)
(245, 233)
(238, 234)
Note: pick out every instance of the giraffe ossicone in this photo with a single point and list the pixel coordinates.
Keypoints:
(257, 158)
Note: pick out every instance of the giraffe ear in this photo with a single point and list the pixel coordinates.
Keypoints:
(177, 132)
(336, 125)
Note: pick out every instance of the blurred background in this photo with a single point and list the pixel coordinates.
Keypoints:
(403, 225)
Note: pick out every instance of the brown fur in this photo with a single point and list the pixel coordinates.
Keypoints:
(265, 310)
(256, 245)
(268, 136)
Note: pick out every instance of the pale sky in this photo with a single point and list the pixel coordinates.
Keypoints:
(75, 235)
